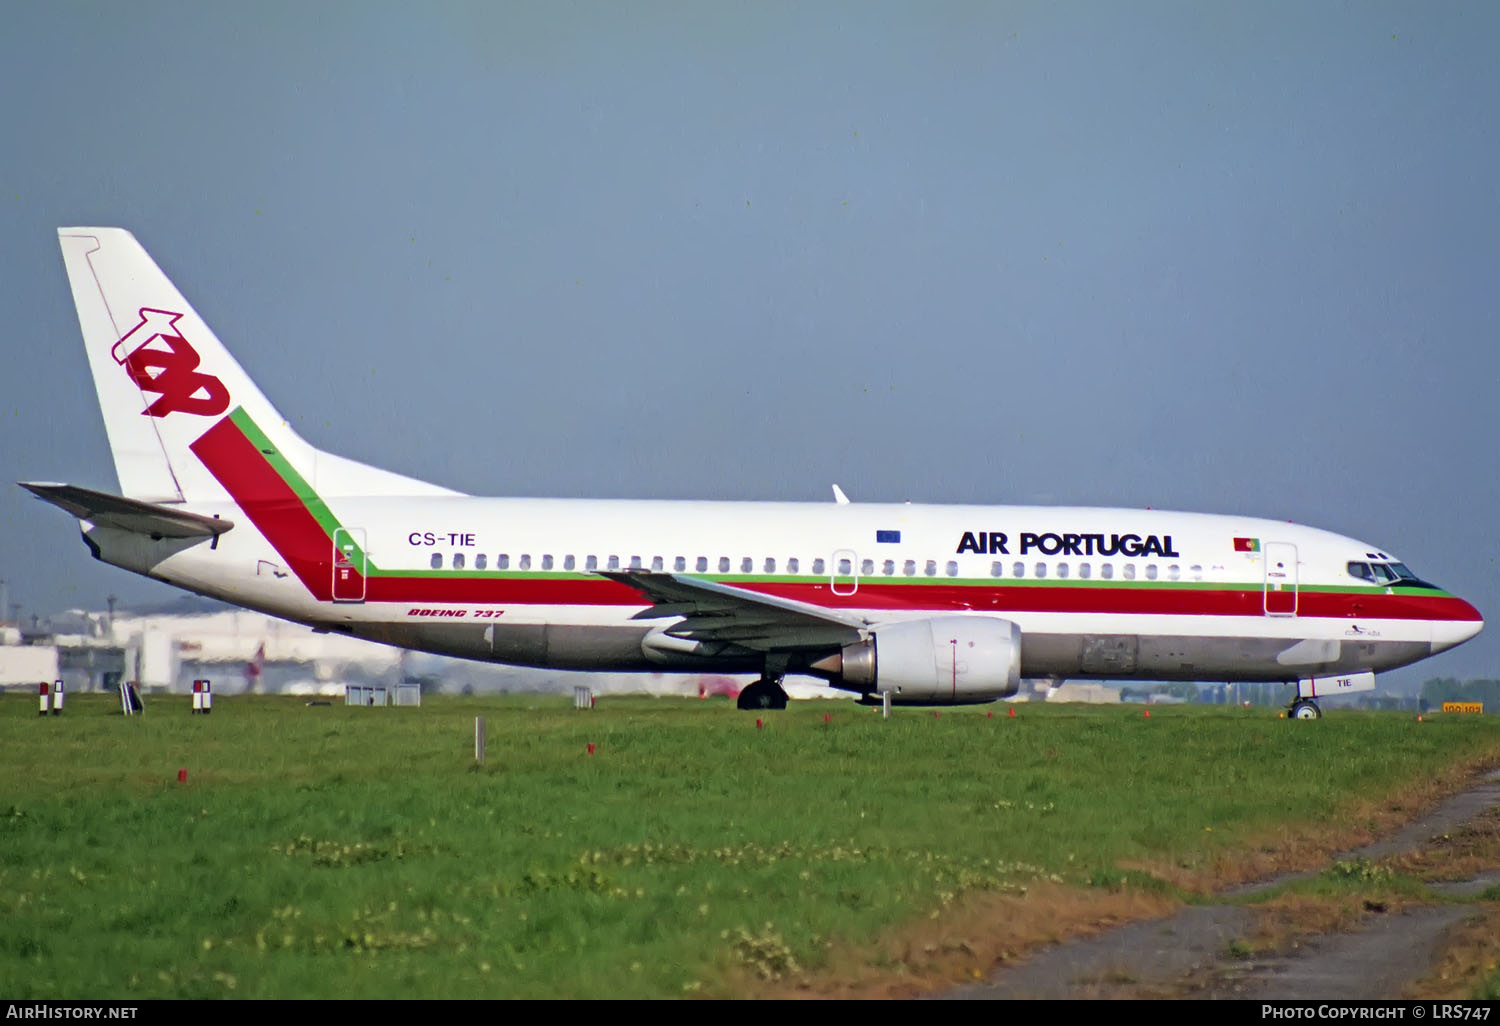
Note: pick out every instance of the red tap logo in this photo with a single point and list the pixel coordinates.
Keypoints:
(170, 372)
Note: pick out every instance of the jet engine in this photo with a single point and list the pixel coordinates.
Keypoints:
(945, 660)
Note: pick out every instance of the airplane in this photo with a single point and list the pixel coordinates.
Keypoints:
(902, 603)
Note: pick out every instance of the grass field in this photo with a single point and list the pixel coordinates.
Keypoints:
(347, 852)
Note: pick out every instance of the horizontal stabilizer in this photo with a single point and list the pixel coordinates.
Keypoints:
(107, 510)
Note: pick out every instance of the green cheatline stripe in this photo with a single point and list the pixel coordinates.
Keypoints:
(330, 523)
(298, 484)
(966, 582)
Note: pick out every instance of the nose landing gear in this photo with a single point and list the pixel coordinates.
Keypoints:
(1305, 709)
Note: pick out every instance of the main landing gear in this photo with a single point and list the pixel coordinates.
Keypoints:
(1305, 709)
(765, 693)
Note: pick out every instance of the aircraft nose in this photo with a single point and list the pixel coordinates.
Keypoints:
(1461, 624)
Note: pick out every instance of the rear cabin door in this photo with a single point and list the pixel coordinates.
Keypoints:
(349, 564)
(1281, 579)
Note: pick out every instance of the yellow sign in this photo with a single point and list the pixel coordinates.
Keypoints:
(1463, 707)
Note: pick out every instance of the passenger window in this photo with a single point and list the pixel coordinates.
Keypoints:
(888, 567)
(792, 565)
(952, 568)
(614, 562)
(1107, 571)
(845, 567)
(770, 565)
(931, 568)
(997, 569)
(1062, 569)
(1197, 572)
(1019, 570)
(479, 561)
(569, 562)
(502, 561)
(747, 565)
(458, 561)
(723, 564)
(1084, 570)
(437, 561)
(1041, 569)
(867, 567)
(818, 566)
(524, 563)
(909, 568)
(702, 564)
(679, 564)
(1150, 571)
(656, 564)
(591, 563)
(635, 562)
(1173, 572)
(1129, 572)
(546, 562)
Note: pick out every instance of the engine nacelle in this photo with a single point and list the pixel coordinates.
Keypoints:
(945, 660)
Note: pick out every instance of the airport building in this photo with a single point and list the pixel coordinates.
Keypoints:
(245, 652)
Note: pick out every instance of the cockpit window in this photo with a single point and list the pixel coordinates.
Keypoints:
(1386, 573)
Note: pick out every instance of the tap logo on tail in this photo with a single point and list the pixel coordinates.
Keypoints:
(170, 372)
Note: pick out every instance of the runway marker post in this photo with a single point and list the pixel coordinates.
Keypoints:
(46, 699)
(57, 698)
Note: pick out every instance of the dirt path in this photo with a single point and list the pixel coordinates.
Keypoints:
(1191, 953)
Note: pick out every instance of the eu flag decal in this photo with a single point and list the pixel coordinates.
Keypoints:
(893, 537)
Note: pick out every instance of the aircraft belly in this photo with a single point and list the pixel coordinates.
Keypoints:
(1198, 658)
(556, 646)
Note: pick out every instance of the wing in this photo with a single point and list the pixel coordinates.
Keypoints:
(721, 613)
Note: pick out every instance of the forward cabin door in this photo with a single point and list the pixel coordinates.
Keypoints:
(349, 564)
(1281, 579)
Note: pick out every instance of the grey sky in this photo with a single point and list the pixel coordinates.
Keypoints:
(1231, 258)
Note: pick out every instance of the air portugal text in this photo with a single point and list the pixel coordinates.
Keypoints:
(997, 543)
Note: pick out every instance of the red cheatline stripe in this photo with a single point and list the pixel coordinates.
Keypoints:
(284, 519)
(269, 503)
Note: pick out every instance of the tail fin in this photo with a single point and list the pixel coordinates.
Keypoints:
(164, 380)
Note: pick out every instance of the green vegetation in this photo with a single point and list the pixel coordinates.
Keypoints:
(1450, 689)
(347, 852)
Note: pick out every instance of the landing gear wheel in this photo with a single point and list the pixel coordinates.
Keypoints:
(1306, 709)
(763, 694)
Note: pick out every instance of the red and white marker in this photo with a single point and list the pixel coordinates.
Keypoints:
(197, 697)
(57, 698)
(46, 703)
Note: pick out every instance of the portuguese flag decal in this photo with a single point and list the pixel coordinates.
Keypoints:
(1247, 545)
